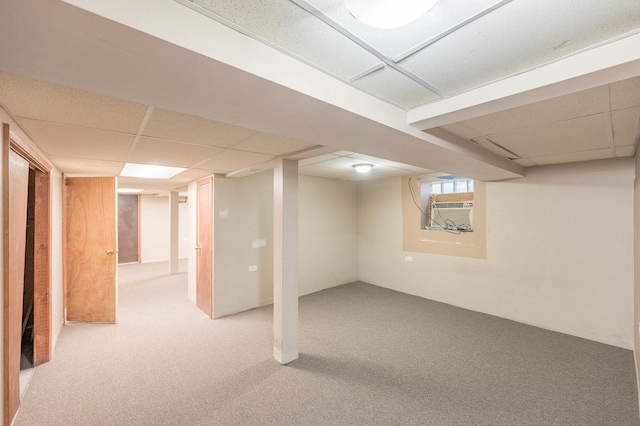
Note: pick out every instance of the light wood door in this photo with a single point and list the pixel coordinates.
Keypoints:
(127, 228)
(91, 249)
(18, 188)
(204, 298)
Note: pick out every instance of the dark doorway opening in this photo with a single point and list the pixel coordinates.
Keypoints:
(27, 351)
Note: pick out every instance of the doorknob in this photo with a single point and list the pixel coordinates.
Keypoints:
(109, 251)
(198, 248)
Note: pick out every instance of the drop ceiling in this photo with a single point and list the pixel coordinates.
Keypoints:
(224, 86)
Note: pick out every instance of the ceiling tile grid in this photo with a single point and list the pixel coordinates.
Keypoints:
(169, 153)
(266, 143)
(625, 126)
(40, 100)
(395, 41)
(292, 29)
(175, 126)
(393, 86)
(79, 142)
(230, 160)
(519, 36)
(581, 134)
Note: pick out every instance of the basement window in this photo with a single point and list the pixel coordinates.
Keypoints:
(447, 205)
(444, 216)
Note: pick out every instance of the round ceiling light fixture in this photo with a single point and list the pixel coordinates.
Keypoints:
(388, 14)
(363, 167)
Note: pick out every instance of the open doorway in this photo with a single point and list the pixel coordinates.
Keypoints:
(26, 348)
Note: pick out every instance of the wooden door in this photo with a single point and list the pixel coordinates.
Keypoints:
(91, 246)
(17, 188)
(127, 228)
(204, 298)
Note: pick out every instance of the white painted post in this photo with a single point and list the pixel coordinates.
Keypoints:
(285, 261)
(173, 230)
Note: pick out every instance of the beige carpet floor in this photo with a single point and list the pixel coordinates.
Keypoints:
(369, 356)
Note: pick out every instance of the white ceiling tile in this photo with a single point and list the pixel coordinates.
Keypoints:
(343, 153)
(579, 104)
(231, 159)
(625, 93)
(344, 163)
(625, 151)
(582, 134)
(389, 163)
(40, 100)
(190, 175)
(573, 157)
(462, 130)
(267, 143)
(80, 142)
(387, 83)
(285, 24)
(394, 41)
(494, 147)
(524, 162)
(325, 172)
(318, 159)
(520, 36)
(625, 126)
(179, 127)
(163, 152)
(150, 185)
(85, 167)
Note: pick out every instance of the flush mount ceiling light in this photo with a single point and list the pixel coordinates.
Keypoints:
(363, 167)
(150, 172)
(387, 14)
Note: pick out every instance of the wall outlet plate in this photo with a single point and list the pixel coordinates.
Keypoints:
(408, 258)
(253, 268)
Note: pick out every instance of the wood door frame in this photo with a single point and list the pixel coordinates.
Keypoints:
(200, 182)
(42, 265)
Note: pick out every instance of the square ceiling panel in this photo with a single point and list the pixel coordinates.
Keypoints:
(190, 175)
(79, 142)
(324, 172)
(625, 93)
(230, 160)
(394, 42)
(625, 151)
(582, 134)
(35, 99)
(295, 31)
(83, 167)
(519, 36)
(625, 126)
(393, 86)
(162, 152)
(179, 127)
(267, 143)
(573, 157)
(567, 107)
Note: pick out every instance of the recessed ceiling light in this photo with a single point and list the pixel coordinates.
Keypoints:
(129, 190)
(363, 167)
(149, 171)
(387, 14)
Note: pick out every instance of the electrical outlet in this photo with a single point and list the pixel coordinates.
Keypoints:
(253, 268)
(408, 258)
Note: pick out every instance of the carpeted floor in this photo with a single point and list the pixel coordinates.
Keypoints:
(369, 356)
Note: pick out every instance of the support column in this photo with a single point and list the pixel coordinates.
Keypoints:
(285, 261)
(173, 231)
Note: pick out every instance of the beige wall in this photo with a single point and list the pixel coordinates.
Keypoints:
(636, 259)
(243, 217)
(554, 260)
(328, 233)
(57, 314)
(243, 222)
(155, 237)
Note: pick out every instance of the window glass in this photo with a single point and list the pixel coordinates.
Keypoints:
(447, 187)
(461, 186)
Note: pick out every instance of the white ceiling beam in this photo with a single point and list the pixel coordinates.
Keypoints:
(605, 64)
